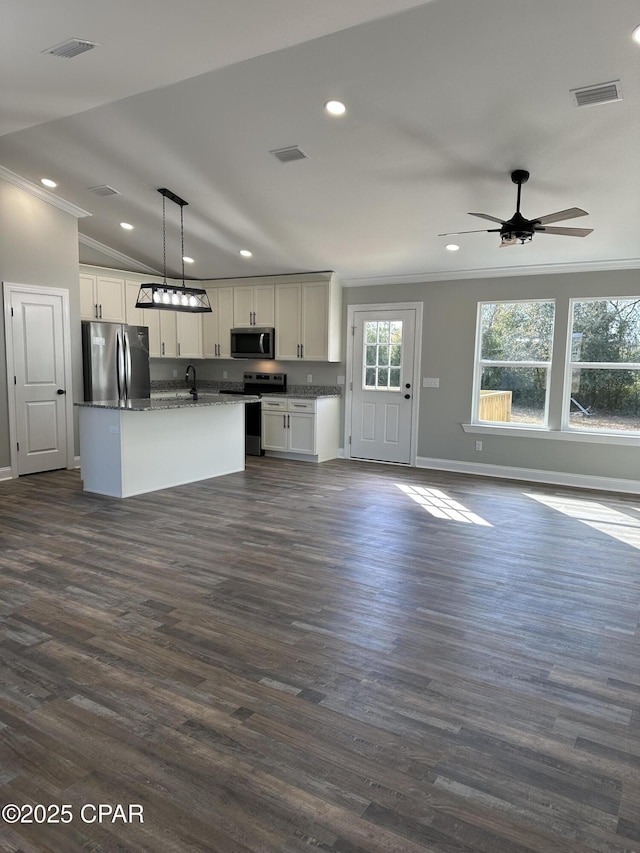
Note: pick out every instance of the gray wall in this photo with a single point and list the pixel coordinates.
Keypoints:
(450, 310)
(38, 246)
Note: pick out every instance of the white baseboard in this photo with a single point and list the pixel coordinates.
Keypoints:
(554, 478)
(5, 473)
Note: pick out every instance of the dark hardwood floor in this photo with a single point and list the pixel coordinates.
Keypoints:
(306, 658)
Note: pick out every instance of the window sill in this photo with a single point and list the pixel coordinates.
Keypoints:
(557, 435)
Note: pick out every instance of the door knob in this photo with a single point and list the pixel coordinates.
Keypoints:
(407, 396)
(408, 385)
(61, 391)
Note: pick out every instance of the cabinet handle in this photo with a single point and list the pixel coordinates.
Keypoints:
(284, 422)
(178, 348)
(298, 350)
(95, 310)
(288, 421)
(162, 347)
(301, 350)
(100, 312)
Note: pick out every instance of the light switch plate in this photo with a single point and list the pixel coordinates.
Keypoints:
(430, 382)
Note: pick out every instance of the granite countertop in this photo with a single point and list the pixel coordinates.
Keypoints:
(145, 404)
(306, 392)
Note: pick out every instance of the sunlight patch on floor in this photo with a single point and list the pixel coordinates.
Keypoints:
(613, 523)
(440, 505)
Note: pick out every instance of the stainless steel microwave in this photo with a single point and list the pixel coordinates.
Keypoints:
(253, 342)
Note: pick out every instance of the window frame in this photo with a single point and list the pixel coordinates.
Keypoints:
(480, 363)
(570, 364)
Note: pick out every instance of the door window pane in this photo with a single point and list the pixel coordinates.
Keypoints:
(382, 355)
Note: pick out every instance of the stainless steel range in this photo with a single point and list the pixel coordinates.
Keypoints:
(258, 384)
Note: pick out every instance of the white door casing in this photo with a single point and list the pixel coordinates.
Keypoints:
(38, 353)
(383, 367)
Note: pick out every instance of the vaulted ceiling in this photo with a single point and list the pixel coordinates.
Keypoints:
(444, 99)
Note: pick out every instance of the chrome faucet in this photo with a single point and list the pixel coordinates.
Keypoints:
(193, 391)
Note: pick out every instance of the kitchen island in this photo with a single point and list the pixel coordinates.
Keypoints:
(136, 446)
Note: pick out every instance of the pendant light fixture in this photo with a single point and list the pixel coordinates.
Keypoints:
(169, 297)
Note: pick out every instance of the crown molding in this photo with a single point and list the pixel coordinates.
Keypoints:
(129, 263)
(39, 192)
(493, 272)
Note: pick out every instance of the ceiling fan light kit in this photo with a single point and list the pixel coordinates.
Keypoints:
(521, 230)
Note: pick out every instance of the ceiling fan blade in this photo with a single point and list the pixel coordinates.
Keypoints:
(568, 232)
(490, 218)
(476, 231)
(569, 213)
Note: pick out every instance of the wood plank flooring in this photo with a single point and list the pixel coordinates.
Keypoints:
(344, 658)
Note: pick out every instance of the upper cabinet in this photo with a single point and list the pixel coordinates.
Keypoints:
(102, 298)
(308, 320)
(189, 334)
(216, 327)
(253, 305)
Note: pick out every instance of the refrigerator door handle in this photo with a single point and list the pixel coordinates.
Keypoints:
(127, 363)
(119, 365)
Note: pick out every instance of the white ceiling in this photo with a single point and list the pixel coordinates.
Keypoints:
(444, 99)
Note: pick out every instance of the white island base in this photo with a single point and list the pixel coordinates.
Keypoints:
(126, 452)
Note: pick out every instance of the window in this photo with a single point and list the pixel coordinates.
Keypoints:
(513, 362)
(603, 372)
(382, 355)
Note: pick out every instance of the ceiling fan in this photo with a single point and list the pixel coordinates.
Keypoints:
(521, 230)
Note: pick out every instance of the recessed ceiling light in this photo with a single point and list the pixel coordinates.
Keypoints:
(452, 247)
(188, 260)
(126, 226)
(336, 108)
(246, 253)
(48, 182)
(635, 35)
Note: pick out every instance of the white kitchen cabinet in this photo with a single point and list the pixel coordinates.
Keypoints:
(168, 333)
(299, 428)
(308, 320)
(102, 298)
(188, 334)
(216, 327)
(253, 305)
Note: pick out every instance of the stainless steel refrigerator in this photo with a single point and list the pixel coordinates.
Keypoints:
(115, 361)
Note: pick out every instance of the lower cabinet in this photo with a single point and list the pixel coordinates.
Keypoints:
(301, 428)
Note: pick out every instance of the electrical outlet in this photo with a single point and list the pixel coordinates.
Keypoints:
(478, 445)
(225, 374)
(309, 377)
(114, 430)
(430, 383)
(340, 380)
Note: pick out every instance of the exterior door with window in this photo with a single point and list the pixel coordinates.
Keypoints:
(383, 385)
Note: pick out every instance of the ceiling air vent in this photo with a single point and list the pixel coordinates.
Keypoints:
(603, 93)
(104, 190)
(71, 47)
(289, 155)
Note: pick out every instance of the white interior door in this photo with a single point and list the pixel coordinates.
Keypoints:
(383, 384)
(40, 406)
